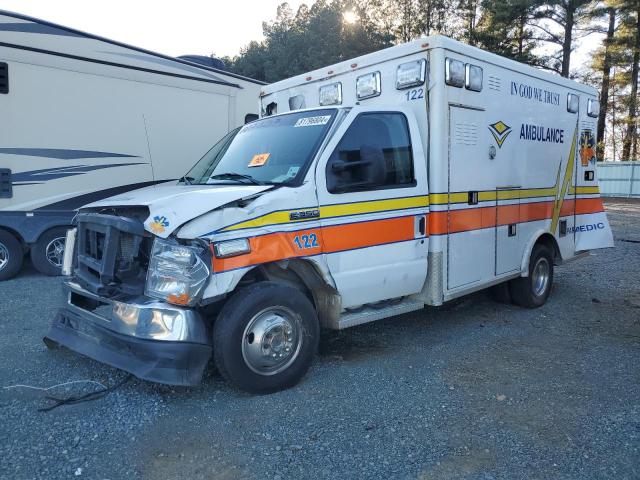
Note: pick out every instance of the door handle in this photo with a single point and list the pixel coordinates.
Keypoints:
(422, 225)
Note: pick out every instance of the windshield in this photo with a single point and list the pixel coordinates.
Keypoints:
(274, 150)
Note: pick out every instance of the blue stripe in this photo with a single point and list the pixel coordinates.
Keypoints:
(36, 28)
(63, 153)
(46, 174)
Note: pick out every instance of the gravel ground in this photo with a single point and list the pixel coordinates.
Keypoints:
(472, 390)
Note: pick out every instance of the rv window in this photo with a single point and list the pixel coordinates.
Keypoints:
(5, 183)
(4, 78)
(375, 153)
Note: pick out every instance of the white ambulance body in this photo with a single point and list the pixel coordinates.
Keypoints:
(85, 118)
(374, 187)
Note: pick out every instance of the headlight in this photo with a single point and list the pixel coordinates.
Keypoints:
(177, 273)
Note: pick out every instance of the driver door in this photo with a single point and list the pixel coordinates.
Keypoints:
(373, 196)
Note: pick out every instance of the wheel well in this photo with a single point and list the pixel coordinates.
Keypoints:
(304, 276)
(16, 235)
(551, 243)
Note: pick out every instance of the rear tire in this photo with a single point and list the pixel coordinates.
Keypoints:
(48, 251)
(533, 291)
(11, 255)
(265, 338)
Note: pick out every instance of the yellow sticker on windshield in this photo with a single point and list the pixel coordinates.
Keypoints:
(259, 159)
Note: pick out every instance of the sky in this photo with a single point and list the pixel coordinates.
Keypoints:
(182, 27)
(178, 27)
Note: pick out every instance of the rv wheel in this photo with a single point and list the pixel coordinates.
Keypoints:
(11, 255)
(48, 251)
(265, 338)
(533, 291)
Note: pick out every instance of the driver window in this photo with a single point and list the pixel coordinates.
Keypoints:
(375, 153)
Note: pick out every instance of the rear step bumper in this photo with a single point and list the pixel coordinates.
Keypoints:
(176, 360)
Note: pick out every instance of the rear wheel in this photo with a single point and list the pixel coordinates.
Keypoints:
(265, 338)
(533, 291)
(48, 251)
(11, 255)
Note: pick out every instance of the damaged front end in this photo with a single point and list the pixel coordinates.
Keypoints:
(129, 300)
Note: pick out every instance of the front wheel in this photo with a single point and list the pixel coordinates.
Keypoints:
(533, 291)
(48, 252)
(265, 338)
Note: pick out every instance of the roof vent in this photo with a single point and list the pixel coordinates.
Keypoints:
(494, 83)
(466, 134)
(4, 78)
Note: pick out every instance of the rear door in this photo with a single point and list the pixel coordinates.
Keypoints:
(373, 197)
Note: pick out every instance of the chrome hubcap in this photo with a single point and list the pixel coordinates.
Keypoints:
(540, 276)
(55, 251)
(4, 256)
(272, 340)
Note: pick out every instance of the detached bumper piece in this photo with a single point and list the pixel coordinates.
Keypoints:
(140, 337)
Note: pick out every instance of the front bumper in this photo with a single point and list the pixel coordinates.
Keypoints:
(150, 339)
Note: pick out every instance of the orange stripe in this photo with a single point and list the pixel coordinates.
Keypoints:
(337, 238)
(589, 205)
(455, 221)
(330, 239)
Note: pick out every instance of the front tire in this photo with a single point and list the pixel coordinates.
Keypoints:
(265, 338)
(533, 291)
(48, 251)
(11, 255)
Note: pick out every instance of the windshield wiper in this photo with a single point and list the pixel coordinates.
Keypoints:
(187, 180)
(239, 176)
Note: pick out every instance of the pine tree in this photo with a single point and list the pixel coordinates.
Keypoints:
(560, 23)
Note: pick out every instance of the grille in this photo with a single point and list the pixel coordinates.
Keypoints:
(112, 254)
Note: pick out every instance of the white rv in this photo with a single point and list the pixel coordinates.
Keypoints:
(398, 180)
(86, 118)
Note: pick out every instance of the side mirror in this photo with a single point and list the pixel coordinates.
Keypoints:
(368, 171)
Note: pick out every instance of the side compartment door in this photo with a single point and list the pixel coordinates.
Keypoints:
(373, 197)
(508, 236)
(472, 199)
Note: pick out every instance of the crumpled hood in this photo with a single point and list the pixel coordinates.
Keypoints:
(172, 205)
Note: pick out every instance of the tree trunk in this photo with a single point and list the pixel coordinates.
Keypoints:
(471, 6)
(521, 23)
(630, 137)
(606, 80)
(566, 44)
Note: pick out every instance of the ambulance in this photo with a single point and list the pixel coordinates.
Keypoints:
(378, 186)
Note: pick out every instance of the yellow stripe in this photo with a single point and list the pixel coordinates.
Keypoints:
(568, 173)
(340, 210)
(373, 206)
(591, 190)
(489, 195)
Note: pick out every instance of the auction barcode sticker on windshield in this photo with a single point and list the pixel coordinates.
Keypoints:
(312, 121)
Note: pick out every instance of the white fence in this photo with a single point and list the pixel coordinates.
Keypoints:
(619, 179)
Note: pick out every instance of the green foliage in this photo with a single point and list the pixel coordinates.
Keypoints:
(309, 39)
(542, 33)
